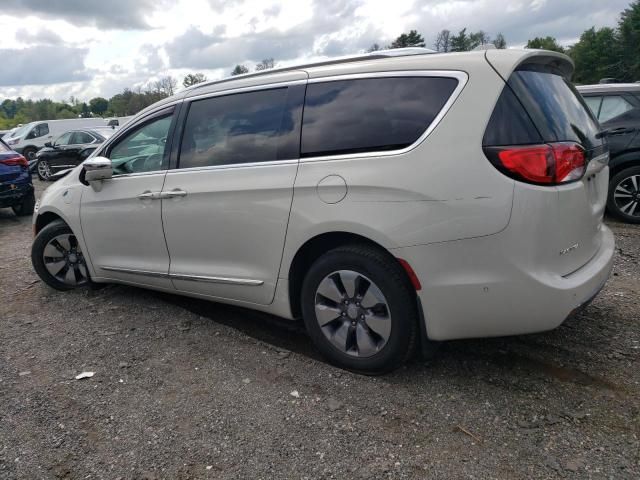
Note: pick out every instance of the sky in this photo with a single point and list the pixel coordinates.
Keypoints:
(86, 48)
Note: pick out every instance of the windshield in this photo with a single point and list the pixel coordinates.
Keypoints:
(21, 131)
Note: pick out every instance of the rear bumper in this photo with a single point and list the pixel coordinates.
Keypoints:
(13, 196)
(472, 288)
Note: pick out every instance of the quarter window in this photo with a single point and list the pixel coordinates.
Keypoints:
(594, 104)
(144, 149)
(247, 127)
(372, 114)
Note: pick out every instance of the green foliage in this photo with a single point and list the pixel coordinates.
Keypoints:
(98, 105)
(629, 38)
(460, 42)
(411, 39)
(500, 42)
(596, 56)
(239, 70)
(546, 43)
(193, 79)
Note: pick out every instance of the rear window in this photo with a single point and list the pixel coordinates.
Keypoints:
(372, 114)
(555, 106)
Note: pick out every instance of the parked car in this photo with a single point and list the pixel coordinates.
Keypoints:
(16, 189)
(31, 137)
(419, 198)
(69, 149)
(117, 121)
(617, 107)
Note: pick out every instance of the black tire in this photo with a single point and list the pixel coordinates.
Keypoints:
(49, 232)
(385, 272)
(616, 208)
(29, 153)
(26, 207)
(41, 174)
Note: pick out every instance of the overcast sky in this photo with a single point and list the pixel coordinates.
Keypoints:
(86, 48)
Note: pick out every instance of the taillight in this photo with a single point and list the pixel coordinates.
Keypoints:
(15, 161)
(547, 164)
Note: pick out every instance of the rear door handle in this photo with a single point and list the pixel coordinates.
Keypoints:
(149, 195)
(175, 193)
(621, 131)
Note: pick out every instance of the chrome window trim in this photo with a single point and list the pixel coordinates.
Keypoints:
(181, 276)
(232, 91)
(461, 76)
(139, 174)
(234, 166)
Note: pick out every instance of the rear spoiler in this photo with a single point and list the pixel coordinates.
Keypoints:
(504, 62)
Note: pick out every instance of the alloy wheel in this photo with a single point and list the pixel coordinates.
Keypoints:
(64, 260)
(353, 314)
(627, 196)
(43, 169)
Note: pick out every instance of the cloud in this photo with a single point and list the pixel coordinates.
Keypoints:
(43, 65)
(105, 14)
(41, 37)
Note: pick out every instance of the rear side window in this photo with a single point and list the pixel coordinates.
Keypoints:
(248, 127)
(613, 107)
(510, 124)
(372, 114)
(556, 108)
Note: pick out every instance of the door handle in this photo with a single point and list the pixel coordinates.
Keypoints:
(621, 131)
(173, 193)
(149, 195)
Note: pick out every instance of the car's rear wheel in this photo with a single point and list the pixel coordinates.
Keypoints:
(624, 195)
(29, 153)
(360, 310)
(26, 207)
(57, 257)
(44, 170)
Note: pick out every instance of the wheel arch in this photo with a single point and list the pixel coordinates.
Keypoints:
(314, 248)
(624, 161)
(45, 218)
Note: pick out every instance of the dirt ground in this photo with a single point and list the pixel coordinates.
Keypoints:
(190, 389)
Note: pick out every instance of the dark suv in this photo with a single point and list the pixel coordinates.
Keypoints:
(16, 189)
(617, 107)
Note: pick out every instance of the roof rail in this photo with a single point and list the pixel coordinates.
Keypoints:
(377, 54)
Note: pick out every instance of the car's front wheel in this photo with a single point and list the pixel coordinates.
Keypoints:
(44, 170)
(360, 310)
(624, 195)
(57, 257)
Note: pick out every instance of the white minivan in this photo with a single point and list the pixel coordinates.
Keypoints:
(31, 137)
(389, 201)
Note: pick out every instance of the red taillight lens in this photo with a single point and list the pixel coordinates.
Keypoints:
(550, 164)
(17, 160)
(570, 162)
(530, 163)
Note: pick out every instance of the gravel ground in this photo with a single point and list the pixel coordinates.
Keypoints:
(190, 389)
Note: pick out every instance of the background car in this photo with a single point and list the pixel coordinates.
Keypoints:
(69, 149)
(16, 189)
(617, 107)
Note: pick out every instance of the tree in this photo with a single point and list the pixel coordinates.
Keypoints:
(373, 48)
(411, 39)
(500, 42)
(165, 86)
(546, 43)
(460, 42)
(239, 70)
(478, 38)
(629, 38)
(596, 56)
(443, 41)
(98, 105)
(193, 79)
(265, 64)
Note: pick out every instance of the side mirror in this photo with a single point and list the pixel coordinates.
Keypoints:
(97, 168)
(48, 144)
